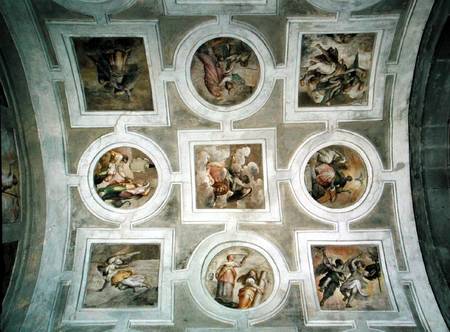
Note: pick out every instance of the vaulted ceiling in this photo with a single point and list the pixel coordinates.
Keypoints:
(225, 165)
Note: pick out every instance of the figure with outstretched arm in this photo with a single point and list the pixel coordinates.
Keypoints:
(333, 276)
(354, 285)
(226, 276)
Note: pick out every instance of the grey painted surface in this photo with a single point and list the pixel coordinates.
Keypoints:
(29, 230)
(430, 139)
(292, 221)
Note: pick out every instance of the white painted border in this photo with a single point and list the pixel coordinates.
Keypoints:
(61, 34)
(346, 5)
(193, 90)
(375, 52)
(384, 29)
(212, 245)
(193, 144)
(186, 142)
(213, 7)
(369, 155)
(399, 315)
(86, 169)
(99, 9)
(160, 315)
(220, 2)
(184, 54)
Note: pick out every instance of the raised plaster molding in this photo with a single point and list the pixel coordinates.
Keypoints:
(384, 29)
(214, 7)
(343, 5)
(374, 169)
(187, 139)
(100, 9)
(161, 315)
(223, 27)
(86, 169)
(400, 315)
(61, 34)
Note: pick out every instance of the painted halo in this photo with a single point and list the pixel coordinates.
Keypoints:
(125, 177)
(239, 277)
(225, 71)
(336, 176)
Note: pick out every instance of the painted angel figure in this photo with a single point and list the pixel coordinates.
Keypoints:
(355, 284)
(219, 59)
(333, 276)
(360, 274)
(328, 179)
(10, 177)
(114, 272)
(328, 77)
(113, 70)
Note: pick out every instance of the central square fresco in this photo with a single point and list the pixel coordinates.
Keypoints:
(229, 176)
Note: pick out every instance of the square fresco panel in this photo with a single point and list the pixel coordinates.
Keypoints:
(335, 69)
(229, 176)
(122, 275)
(349, 277)
(114, 73)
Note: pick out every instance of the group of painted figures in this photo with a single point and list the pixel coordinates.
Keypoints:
(116, 273)
(229, 176)
(327, 76)
(228, 181)
(115, 181)
(226, 64)
(328, 177)
(336, 176)
(230, 73)
(350, 277)
(253, 285)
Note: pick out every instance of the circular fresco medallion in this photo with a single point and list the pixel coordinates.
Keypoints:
(239, 277)
(336, 176)
(225, 71)
(125, 178)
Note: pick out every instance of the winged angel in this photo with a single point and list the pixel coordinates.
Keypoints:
(219, 58)
(114, 271)
(113, 70)
(351, 276)
(328, 76)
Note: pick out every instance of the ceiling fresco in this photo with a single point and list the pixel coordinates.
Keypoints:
(222, 165)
